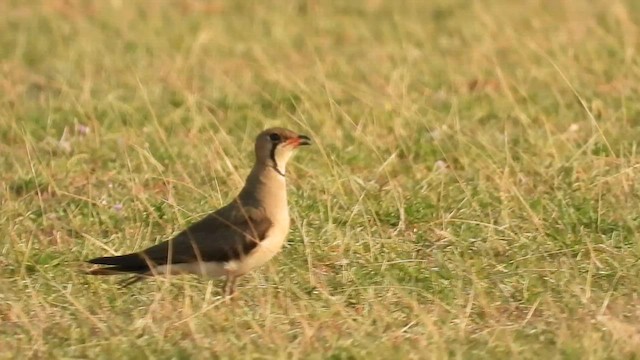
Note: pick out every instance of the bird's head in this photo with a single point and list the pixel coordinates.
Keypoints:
(275, 146)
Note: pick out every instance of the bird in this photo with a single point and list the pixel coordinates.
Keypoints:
(233, 240)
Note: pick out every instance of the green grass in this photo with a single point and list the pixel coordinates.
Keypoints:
(523, 246)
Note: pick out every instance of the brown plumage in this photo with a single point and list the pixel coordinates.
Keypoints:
(233, 240)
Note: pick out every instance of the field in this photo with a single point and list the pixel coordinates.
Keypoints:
(472, 191)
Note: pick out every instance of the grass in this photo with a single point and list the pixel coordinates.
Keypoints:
(472, 191)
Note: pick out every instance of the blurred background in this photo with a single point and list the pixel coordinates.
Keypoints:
(471, 192)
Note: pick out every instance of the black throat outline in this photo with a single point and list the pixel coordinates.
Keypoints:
(273, 158)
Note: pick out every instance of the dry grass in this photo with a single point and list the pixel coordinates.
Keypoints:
(472, 192)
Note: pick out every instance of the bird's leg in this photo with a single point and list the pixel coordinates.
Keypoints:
(229, 287)
(131, 280)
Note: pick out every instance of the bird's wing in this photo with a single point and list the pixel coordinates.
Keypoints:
(225, 235)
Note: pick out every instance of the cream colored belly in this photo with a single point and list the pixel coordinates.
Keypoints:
(266, 250)
(208, 269)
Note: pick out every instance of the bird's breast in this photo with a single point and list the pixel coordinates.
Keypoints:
(271, 244)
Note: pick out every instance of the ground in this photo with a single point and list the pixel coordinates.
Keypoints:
(471, 193)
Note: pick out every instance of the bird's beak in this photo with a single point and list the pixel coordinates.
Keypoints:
(300, 140)
(304, 140)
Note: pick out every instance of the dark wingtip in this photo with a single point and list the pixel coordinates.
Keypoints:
(104, 260)
(119, 260)
(129, 263)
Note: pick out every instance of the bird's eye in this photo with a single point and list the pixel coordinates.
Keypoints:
(274, 137)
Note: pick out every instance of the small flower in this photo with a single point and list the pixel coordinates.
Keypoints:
(82, 130)
(440, 166)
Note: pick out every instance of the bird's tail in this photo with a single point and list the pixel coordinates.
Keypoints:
(119, 265)
(130, 263)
